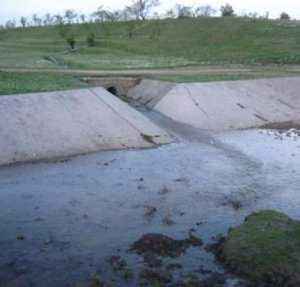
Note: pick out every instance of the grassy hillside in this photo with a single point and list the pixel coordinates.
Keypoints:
(15, 83)
(155, 44)
(33, 81)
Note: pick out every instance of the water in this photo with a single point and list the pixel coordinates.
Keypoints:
(75, 214)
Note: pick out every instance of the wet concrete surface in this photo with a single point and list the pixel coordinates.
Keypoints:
(62, 221)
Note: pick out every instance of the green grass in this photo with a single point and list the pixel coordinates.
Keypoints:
(156, 44)
(27, 82)
(219, 77)
(265, 248)
(14, 83)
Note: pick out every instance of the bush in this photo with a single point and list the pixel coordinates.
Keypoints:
(71, 41)
(284, 16)
(227, 10)
(91, 40)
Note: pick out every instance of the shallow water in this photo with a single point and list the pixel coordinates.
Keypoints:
(75, 214)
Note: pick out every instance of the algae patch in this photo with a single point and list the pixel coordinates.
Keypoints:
(164, 246)
(265, 249)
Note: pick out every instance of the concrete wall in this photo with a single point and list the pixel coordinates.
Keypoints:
(225, 105)
(59, 124)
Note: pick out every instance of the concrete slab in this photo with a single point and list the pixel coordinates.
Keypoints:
(150, 92)
(60, 124)
(226, 105)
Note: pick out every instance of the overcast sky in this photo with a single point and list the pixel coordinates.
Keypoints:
(10, 9)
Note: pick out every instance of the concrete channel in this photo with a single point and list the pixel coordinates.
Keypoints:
(72, 222)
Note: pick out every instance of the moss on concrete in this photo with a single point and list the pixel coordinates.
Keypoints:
(265, 248)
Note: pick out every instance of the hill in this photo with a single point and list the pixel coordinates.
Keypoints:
(155, 44)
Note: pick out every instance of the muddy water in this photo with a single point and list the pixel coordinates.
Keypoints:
(60, 222)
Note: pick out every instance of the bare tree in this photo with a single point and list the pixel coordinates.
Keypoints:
(37, 21)
(100, 15)
(267, 15)
(113, 16)
(23, 21)
(253, 15)
(141, 9)
(125, 15)
(48, 19)
(70, 16)
(184, 11)
(58, 19)
(82, 18)
(205, 11)
(10, 24)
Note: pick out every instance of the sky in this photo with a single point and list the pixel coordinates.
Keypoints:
(14, 9)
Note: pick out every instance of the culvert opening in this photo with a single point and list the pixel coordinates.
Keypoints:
(113, 90)
(114, 85)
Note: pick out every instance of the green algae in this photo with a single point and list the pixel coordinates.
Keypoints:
(265, 249)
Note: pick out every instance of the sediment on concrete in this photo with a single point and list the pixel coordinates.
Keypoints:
(224, 105)
(66, 123)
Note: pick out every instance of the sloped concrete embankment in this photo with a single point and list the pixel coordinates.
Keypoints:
(225, 105)
(60, 124)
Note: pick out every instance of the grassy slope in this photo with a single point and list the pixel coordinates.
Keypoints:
(265, 248)
(27, 82)
(156, 44)
(14, 83)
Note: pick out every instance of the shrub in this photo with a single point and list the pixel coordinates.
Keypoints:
(227, 10)
(71, 41)
(91, 40)
(284, 16)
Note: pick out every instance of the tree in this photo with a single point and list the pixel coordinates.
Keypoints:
(184, 11)
(125, 15)
(71, 41)
(253, 15)
(100, 15)
(58, 19)
(82, 18)
(113, 16)
(48, 19)
(23, 21)
(70, 16)
(141, 9)
(284, 16)
(10, 24)
(267, 15)
(227, 11)
(205, 11)
(36, 20)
